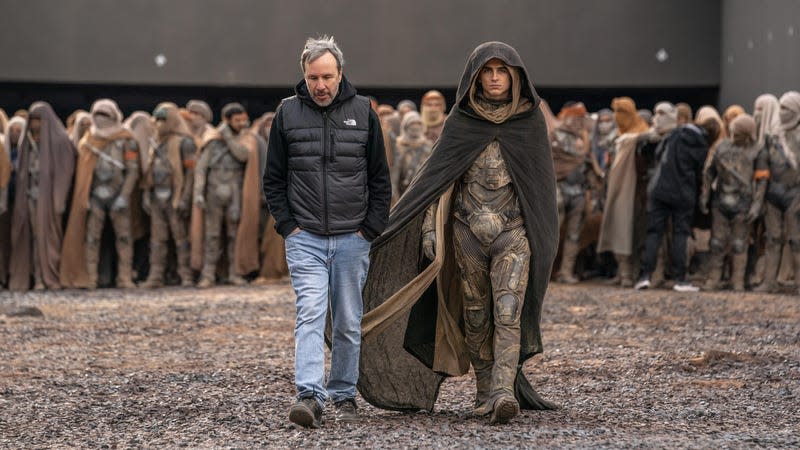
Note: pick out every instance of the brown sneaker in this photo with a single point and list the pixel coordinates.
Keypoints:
(346, 410)
(306, 412)
(505, 409)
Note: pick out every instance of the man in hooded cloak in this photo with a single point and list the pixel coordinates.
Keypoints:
(106, 176)
(44, 177)
(168, 182)
(460, 273)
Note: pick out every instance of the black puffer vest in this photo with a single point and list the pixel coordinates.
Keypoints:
(327, 161)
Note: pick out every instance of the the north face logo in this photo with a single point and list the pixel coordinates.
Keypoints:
(350, 122)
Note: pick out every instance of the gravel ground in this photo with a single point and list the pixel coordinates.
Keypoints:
(188, 368)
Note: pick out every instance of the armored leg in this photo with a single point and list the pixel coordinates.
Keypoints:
(231, 227)
(740, 229)
(473, 265)
(121, 220)
(232, 217)
(213, 229)
(510, 255)
(575, 219)
(720, 233)
(179, 228)
(773, 221)
(94, 231)
(159, 234)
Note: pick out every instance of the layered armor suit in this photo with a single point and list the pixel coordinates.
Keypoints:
(114, 178)
(572, 190)
(783, 207)
(218, 189)
(740, 174)
(169, 210)
(492, 253)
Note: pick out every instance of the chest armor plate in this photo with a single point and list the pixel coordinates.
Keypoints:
(224, 168)
(162, 169)
(485, 199)
(107, 179)
(780, 169)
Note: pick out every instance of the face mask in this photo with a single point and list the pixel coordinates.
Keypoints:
(787, 116)
(103, 121)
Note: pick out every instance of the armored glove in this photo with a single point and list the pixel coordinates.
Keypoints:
(754, 212)
(429, 244)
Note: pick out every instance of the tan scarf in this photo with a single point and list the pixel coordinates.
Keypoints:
(499, 112)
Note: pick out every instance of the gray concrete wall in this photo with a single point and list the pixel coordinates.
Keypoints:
(411, 43)
(760, 50)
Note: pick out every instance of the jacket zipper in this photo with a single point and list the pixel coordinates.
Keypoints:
(325, 171)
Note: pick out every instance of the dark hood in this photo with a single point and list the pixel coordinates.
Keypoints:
(480, 56)
(693, 136)
(346, 92)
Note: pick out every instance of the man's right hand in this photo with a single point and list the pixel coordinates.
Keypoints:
(429, 244)
(200, 201)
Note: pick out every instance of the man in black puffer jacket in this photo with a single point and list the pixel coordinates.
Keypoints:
(672, 193)
(328, 187)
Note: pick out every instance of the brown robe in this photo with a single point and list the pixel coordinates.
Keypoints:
(56, 167)
(5, 236)
(74, 272)
(246, 247)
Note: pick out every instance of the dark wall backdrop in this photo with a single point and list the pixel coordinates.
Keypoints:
(389, 43)
(760, 49)
(76, 50)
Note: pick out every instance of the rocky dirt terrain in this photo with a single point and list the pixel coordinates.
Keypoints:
(214, 368)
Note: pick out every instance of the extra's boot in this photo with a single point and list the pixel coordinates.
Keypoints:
(738, 268)
(208, 276)
(124, 263)
(158, 255)
(625, 270)
(483, 383)
(772, 258)
(568, 256)
(184, 269)
(714, 273)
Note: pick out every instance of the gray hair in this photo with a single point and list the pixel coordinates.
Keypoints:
(315, 48)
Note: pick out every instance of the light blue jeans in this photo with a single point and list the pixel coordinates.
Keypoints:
(327, 270)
